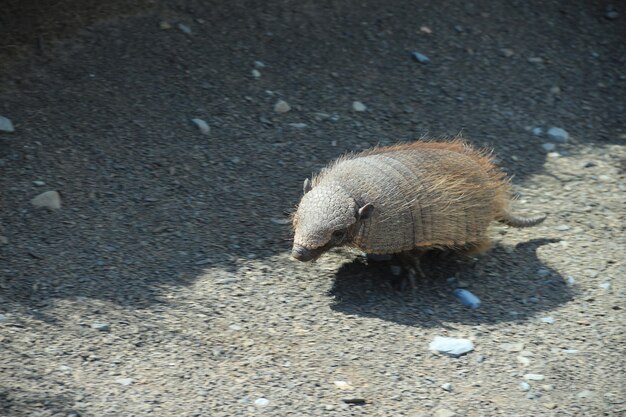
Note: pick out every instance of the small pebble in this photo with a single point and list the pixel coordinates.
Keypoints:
(259, 64)
(543, 272)
(419, 57)
(6, 125)
(451, 346)
(358, 106)
(256, 73)
(467, 298)
(535, 60)
(281, 106)
(184, 28)
(569, 351)
(101, 327)
(261, 402)
(537, 131)
(507, 52)
(611, 12)
(523, 360)
(163, 25)
(534, 377)
(446, 387)
(585, 394)
(50, 200)
(525, 386)
(605, 285)
(39, 183)
(234, 327)
(205, 129)
(298, 125)
(548, 320)
(426, 29)
(343, 385)
(512, 347)
(444, 412)
(124, 381)
(562, 227)
(354, 401)
(558, 135)
(548, 147)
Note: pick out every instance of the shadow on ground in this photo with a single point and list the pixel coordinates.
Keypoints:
(511, 286)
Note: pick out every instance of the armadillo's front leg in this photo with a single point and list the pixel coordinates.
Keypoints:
(411, 262)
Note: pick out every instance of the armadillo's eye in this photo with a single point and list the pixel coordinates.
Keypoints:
(339, 234)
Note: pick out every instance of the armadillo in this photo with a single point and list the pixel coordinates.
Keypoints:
(396, 199)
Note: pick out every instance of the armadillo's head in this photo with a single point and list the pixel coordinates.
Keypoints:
(325, 218)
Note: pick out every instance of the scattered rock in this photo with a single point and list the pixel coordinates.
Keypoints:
(281, 221)
(605, 285)
(451, 346)
(558, 135)
(586, 394)
(446, 387)
(562, 227)
(358, 106)
(164, 25)
(204, 127)
(467, 298)
(550, 406)
(426, 29)
(184, 28)
(124, 381)
(281, 106)
(6, 125)
(535, 60)
(39, 183)
(256, 73)
(523, 360)
(343, 385)
(569, 351)
(354, 401)
(507, 52)
(261, 402)
(444, 412)
(537, 131)
(50, 200)
(555, 90)
(419, 57)
(512, 347)
(543, 272)
(235, 327)
(548, 320)
(259, 64)
(101, 327)
(525, 386)
(298, 125)
(534, 377)
(548, 147)
(320, 116)
(611, 13)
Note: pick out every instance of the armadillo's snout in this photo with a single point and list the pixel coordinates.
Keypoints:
(302, 254)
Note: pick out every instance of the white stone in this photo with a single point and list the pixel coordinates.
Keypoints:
(204, 127)
(6, 125)
(558, 135)
(281, 106)
(534, 377)
(523, 360)
(261, 402)
(39, 183)
(343, 385)
(256, 73)
(124, 381)
(358, 106)
(49, 199)
(451, 346)
(446, 387)
(548, 320)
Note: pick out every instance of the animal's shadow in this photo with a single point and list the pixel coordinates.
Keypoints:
(512, 286)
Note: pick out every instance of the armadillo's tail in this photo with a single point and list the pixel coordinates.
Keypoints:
(515, 221)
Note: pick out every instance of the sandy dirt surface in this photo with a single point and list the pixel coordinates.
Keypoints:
(163, 286)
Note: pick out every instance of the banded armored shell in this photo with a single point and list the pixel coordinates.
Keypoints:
(395, 199)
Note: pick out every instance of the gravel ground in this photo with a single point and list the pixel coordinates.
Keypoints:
(163, 285)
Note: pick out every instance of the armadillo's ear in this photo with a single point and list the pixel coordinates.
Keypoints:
(366, 211)
(306, 187)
